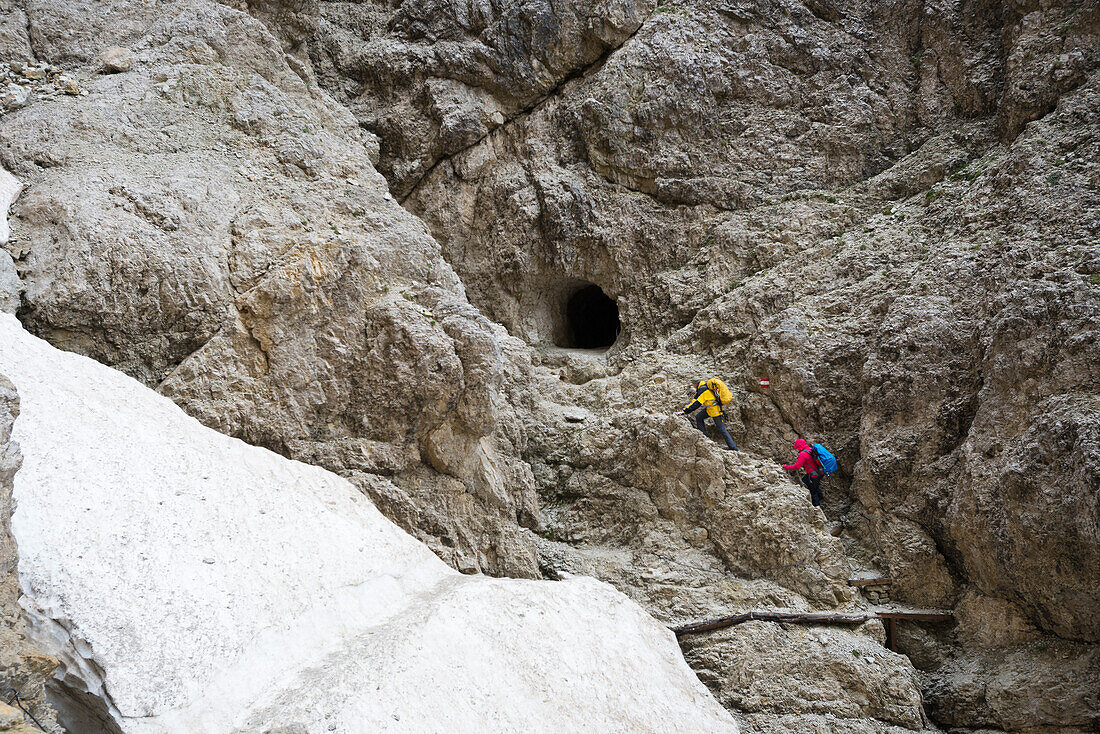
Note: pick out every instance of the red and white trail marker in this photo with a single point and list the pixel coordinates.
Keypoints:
(764, 382)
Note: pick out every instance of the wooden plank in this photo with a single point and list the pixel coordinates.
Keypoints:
(870, 582)
(771, 616)
(889, 616)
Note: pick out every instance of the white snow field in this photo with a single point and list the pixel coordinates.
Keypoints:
(10, 187)
(199, 584)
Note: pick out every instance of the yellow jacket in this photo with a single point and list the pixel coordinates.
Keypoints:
(703, 396)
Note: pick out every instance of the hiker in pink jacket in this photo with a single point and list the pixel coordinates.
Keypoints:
(814, 472)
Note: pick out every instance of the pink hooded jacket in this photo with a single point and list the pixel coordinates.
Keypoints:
(806, 459)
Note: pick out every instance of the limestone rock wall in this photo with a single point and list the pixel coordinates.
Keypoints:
(432, 78)
(902, 244)
(888, 211)
(726, 108)
(211, 223)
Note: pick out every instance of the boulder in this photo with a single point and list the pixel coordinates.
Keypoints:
(115, 59)
(13, 721)
(14, 96)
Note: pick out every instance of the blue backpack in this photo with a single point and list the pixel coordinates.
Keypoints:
(825, 460)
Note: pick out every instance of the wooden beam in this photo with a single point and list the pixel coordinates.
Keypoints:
(770, 616)
(870, 582)
(888, 616)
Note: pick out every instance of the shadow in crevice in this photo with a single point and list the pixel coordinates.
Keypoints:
(79, 712)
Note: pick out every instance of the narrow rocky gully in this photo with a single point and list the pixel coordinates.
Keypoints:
(344, 348)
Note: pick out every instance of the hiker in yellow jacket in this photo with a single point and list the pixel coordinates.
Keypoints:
(711, 394)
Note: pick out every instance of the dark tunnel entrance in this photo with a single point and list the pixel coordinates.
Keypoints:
(591, 319)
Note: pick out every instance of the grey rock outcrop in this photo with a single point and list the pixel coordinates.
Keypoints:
(808, 673)
(14, 96)
(9, 284)
(75, 32)
(14, 721)
(14, 41)
(431, 78)
(212, 224)
(645, 502)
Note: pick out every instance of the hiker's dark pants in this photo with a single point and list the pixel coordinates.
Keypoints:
(702, 416)
(814, 485)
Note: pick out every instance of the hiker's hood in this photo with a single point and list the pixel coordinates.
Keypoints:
(801, 445)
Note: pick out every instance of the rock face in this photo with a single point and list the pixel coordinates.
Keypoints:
(877, 225)
(711, 108)
(846, 680)
(232, 244)
(431, 78)
(190, 581)
(644, 501)
(13, 721)
(888, 212)
(24, 668)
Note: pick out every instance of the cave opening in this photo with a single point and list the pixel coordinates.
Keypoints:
(591, 319)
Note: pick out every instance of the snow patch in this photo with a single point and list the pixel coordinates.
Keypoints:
(198, 584)
(10, 187)
(10, 286)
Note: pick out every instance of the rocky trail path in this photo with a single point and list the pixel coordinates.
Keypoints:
(706, 539)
